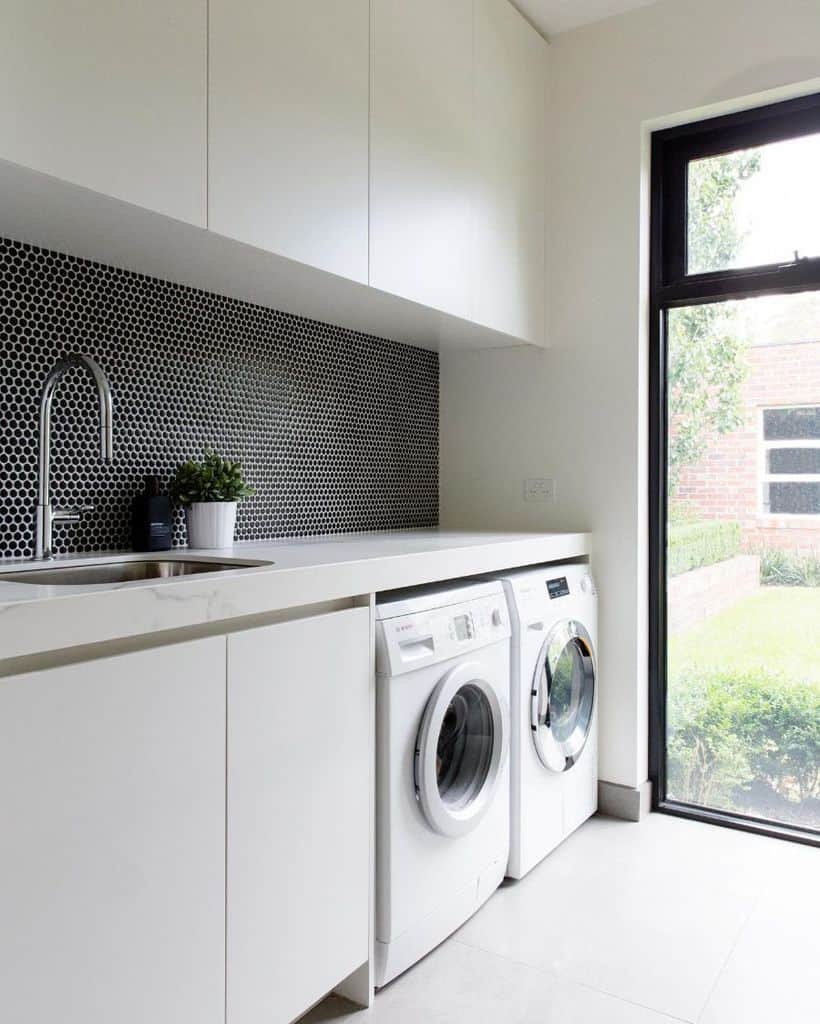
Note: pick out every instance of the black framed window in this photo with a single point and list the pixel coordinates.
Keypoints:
(734, 477)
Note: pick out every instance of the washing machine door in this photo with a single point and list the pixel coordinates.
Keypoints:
(461, 750)
(563, 695)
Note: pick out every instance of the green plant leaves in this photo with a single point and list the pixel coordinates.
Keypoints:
(731, 730)
(213, 479)
(783, 568)
(706, 363)
(691, 545)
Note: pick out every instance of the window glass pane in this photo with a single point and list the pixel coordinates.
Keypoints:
(794, 499)
(754, 206)
(802, 424)
(794, 460)
(743, 558)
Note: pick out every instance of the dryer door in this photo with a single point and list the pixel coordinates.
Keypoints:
(563, 695)
(461, 750)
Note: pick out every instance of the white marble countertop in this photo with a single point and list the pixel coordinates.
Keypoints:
(35, 619)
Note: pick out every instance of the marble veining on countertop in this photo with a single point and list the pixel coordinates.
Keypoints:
(35, 618)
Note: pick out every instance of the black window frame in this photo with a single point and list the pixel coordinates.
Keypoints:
(671, 287)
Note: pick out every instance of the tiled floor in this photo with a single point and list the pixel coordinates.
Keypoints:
(664, 921)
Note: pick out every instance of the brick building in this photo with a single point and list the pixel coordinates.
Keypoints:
(766, 475)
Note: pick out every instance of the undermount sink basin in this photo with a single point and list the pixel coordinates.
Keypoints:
(121, 572)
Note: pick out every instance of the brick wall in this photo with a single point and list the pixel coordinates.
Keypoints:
(724, 484)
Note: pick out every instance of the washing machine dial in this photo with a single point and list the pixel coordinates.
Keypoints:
(496, 617)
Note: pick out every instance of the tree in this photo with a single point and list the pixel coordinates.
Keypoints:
(705, 364)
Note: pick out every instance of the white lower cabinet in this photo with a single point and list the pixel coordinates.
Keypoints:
(113, 810)
(112, 873)
(299, 778)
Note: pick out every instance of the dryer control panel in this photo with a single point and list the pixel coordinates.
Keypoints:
(408, 642)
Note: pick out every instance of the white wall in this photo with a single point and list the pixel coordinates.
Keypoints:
(577, 412)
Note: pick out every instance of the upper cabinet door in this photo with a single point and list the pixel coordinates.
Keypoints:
(288, 129)
(111, 96)
(422, 152)
(510, 96)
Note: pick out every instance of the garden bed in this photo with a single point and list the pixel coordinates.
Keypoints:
(701, 593)
(744, 708)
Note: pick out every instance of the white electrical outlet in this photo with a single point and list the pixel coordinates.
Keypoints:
(539, 489)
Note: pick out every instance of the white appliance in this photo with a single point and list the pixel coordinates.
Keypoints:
(442, 774)
(554, 708)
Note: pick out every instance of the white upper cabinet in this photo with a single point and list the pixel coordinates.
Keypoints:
(111, 96)
(391, 143)
(288, 115)
(422, 152)
(510, 95)
(457, 161)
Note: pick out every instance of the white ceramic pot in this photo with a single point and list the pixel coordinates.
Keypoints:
(211, 524)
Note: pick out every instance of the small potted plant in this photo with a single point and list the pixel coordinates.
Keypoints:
(209, 491)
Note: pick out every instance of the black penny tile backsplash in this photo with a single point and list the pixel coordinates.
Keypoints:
(337, 430)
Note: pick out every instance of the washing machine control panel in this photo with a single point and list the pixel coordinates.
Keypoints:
(552, 592)
(409, 641)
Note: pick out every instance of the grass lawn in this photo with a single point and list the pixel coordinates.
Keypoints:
(777, 628)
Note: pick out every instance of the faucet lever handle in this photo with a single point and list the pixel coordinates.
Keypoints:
(70, 515)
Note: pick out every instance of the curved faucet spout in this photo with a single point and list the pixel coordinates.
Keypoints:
(46, 515)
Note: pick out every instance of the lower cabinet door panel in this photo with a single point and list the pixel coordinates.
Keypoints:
(112, 840)
(299, 777)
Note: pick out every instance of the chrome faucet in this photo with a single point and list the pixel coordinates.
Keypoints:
(47, 515)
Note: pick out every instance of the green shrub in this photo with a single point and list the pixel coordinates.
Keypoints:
(728, 730)
(706, 760)
(691, 545)
(779, 568)
(679, 512)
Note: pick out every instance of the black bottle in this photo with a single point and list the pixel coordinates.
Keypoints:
(151, 522)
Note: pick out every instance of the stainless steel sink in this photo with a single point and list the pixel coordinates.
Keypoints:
(121, 572)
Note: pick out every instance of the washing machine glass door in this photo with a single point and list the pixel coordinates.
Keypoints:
(461, 749)
(563, 695)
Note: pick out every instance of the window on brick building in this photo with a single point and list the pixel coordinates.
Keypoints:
(790, 457)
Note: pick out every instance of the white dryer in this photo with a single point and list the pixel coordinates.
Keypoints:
(442, 772)
(554, 708)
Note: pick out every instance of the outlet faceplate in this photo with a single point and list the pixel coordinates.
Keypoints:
(539, 489)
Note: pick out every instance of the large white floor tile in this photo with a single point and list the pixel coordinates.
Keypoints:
(773, 973)
(648, 913)
(629, 924)
(460, 985)
(452, 984)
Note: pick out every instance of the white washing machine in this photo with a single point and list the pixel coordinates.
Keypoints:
(442, 773)
(554, 708)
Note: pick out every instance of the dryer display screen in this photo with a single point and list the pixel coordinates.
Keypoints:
(558, 587)
(464, 628)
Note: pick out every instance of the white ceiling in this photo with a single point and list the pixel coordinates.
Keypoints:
(553, 16)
